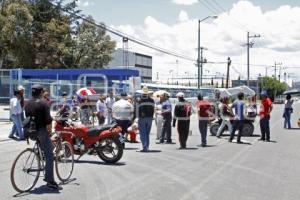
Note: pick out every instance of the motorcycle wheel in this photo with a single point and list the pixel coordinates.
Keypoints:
(110, 150)
(248, 129)
(214, 129)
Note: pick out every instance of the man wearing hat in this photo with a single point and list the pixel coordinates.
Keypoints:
(122, 112)
(145, 111)
(40, 111)
(266, 107)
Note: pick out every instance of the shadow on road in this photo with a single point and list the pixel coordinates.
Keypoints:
(100, 163)
(131, 148)
(43, 189)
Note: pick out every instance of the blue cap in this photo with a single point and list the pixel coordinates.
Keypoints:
(264, 93)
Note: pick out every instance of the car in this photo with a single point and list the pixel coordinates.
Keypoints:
(279, 100)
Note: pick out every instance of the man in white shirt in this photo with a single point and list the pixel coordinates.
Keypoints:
(110, 100)
(16, 112)
(122, 112)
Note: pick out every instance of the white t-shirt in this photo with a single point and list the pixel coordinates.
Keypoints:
(109, 102)
(122, 110)
(15, 106)
(101, 108)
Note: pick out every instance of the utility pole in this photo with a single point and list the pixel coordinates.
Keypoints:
(275, 72)
(228, 66)
(198, 60)
(249, 45)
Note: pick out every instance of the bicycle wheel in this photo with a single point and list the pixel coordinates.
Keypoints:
(64, 161)
(25, 171)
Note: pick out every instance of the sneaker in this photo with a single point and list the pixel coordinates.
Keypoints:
(53, 185)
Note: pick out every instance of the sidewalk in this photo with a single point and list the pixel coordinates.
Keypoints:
(5, 130)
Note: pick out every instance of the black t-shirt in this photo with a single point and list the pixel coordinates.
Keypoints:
(40, 111)
(145, 107)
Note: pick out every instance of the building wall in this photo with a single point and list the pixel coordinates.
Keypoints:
(141, 62)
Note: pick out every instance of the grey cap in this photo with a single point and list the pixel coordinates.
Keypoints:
(37, 86)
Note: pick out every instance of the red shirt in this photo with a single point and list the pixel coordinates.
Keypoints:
(203, 108)
(265, 105)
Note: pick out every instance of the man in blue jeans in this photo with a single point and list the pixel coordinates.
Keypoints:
(38, 109)
(16, 112)
(145, 111)
(238, 106)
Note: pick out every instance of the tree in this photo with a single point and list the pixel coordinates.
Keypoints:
(272, 86)
(92, 47)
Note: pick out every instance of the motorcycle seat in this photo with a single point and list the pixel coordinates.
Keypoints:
(95, 131)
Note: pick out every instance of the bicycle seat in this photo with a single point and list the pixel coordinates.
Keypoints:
(95, 131)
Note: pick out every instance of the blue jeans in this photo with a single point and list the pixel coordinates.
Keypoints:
(265, 128)
(46, 146)
(203, 131)
(17, 127)
(144, 129)
(237, 125)
(287, 118)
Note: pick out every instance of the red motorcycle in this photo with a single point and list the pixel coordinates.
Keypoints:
(104, 141)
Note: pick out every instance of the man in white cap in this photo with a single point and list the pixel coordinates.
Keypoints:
(182, 113)
(145, 111)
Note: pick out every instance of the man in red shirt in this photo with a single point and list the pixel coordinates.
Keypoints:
(204, 109)
(264, 113)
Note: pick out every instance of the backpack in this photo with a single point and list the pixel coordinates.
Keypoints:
(30, 127)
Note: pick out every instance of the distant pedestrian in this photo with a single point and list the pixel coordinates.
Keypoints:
(238, 123)
(166, 132)
(226, 115)
(145, 110)
(15, 114)
(288, 110)
(204, 110)
(101, 110)
(85, 107)
(159, 118)
(182, 113)
(266, 107)
(109, 101)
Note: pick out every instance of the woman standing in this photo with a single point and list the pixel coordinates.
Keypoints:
(288, 110)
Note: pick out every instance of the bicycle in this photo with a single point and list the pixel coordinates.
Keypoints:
(28, 165)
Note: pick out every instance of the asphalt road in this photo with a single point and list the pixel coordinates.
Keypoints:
(258, 170)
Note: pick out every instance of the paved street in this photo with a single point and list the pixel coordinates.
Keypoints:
(258, 170)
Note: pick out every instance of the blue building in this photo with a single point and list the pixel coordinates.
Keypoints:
(69, 80)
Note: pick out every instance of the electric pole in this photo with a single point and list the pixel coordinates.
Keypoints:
(275, 72)
(228, 66)
(249, 45)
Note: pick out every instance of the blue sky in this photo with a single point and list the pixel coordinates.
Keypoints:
(121, 12)
(173, 26)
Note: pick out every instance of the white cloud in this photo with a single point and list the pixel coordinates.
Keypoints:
(85, 3)
(185, 2)
(183, 16)
(224, 36)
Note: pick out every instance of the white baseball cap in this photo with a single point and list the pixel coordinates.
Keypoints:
(180, 94)
(20, 87)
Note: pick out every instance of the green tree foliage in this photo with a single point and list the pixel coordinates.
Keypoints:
(274, 87)
(92, 47)
(38, 34)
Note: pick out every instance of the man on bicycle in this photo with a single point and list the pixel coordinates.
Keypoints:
(38, 109)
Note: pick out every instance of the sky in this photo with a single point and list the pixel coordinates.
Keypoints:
(173, 25)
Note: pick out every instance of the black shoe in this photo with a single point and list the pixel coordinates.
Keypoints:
(180, 148)
(230, 140)
(261, 139)
(219, 136)
(268, 140)
(53, 185)
(239, 142)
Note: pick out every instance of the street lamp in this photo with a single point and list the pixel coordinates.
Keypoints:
(200, 59)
